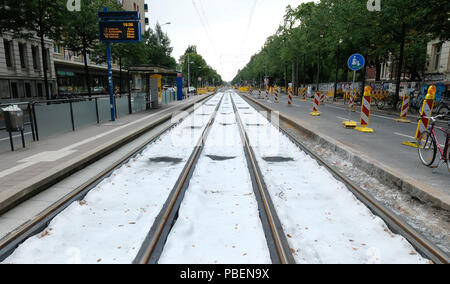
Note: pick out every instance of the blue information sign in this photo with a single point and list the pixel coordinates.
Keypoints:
(356, 62)
(117, 27)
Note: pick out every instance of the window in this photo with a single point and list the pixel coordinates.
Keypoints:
(14, 90)
(437, 56)
(8, 52)
(35, 51)
(28, 90)
(22, 54)
(39, 90)
(57, 48)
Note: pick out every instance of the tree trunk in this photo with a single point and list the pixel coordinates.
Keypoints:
(378, 69)
(44, 53)
(337, 71)
(364, 76)
(400, 66)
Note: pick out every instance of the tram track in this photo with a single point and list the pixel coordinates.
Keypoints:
(153, 246)
(37, 224)
(397, 225)
(275, 237)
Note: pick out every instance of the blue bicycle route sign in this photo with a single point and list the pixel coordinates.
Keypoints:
(356, 62)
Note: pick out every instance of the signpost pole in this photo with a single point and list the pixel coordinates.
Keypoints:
(110, 80)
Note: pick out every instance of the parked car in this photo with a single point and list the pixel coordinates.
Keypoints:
(192, 90)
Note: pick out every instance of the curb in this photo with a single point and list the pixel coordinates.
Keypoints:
(41, 182)
(383, 173)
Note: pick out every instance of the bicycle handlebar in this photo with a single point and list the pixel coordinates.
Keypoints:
(435, 117)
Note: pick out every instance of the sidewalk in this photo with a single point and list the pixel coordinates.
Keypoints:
(380, 153)
(27, 172)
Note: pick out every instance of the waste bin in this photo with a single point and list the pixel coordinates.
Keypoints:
(13, 118)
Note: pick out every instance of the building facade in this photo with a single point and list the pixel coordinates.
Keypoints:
(21, 69)
(22, 75)
(438, 63)
(69, 65)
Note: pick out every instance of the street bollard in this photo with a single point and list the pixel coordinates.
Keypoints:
(404, 110)
(315, 111)
(427, 110)
(304, 95)
(365, 112)
(322, 98)
(351, 103)
(276, 96)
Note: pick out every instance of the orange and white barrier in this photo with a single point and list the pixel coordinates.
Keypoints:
(427, 110)
(267, 94)
(404, 110)
(351, 102)
(322, 97)
(290, 98)
(315, 111)
(259, 94)
(276, 95)
(365, 111)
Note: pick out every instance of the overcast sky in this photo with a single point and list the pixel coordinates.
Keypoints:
(226, 32)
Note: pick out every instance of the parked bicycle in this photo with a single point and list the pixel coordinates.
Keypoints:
(388, 101)
(428, 144)
(416, 102)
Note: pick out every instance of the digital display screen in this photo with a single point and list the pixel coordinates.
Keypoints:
(120, 31)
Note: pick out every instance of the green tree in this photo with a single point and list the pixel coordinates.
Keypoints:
(80, 30)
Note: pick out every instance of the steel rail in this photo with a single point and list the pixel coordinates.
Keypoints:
(153, 244)
(11, 241)
(275, 234)
(424, 246)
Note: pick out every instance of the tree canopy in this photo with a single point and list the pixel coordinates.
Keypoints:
(319, 36)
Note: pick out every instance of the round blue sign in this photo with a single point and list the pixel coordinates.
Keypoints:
(356, 62)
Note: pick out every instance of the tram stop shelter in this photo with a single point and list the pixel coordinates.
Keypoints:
(146, 83)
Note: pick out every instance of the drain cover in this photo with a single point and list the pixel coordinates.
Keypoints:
(219, 158)
(255, 124)
(171, 160)
(278, 159)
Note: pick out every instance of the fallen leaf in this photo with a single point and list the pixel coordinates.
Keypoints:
(98, 260)
(289, 236)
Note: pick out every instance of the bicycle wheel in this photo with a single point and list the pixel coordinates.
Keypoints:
(427, 148)
(448, 158)
(380, 104)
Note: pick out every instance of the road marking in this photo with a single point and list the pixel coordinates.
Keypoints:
(345, 119)
(404, 135)
(15, 136)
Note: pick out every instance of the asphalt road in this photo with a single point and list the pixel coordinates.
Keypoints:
(384, 145)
